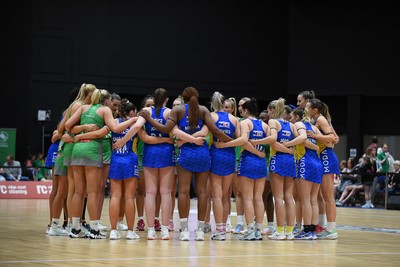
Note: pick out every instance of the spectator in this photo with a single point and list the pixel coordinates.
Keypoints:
(374, 144)
(367, 172)
(394, 179)
(13, 170)
(348, 176)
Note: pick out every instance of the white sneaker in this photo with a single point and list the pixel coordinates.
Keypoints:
(184, 235)
(48, 229)
(290, 236)
(130, 235)
(101, 227)
(269, 230)
(121, 226)
(57, 231)
(114, 235)
(277, 236)
(164, 234)
(151, 234)
(199, 235)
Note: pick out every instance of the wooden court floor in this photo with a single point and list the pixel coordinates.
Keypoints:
(367, 237)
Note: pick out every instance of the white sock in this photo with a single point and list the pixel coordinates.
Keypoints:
(331, 226)
(55, 222)
(271, 224)
(240, 219)
(184, 224)
(76, 223)
(322, 219)
(200, 225)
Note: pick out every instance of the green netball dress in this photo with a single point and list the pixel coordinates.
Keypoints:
(89, 152)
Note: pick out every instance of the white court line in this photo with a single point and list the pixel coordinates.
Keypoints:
(202, 257)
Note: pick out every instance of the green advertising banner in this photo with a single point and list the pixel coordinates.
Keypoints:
(8, 138)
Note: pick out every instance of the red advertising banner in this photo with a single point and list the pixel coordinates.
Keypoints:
(18, 190)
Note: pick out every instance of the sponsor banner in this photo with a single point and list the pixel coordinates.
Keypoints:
(20, 190)
(7, 143)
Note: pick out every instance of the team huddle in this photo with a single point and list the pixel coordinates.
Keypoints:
(274, 160)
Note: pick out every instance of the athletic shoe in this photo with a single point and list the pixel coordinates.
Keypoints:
(328, 235)
(157, 225)
(314, 236)
(96, 234)
(199, 235)
(367, 206)
(130, 235)
(269, 230)
(101, 227)
(289, 236)
(86, 229)
(339, 203)
(297, 229)
(248, 236)
(238, 229)
(320, 229)
(277, 236)
(121, 226)
(57, 231)
(304, 236)
(164, 234)
(86, 226)
(140, 225)
(184, 235)
(171, 226)
(258, 235)
(219, 236)
(151, 234)
(77, 233)
(207, 228)
(114, 235)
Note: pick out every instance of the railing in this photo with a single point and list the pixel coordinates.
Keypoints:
(30, 172)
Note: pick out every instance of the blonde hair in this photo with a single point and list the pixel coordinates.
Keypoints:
(278, 106)
(85, 89)
(217, 101)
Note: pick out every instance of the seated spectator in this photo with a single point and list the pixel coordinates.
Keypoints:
(394, 179)
(29, 169)
(13, 170)
(348, 176)
(348, 192)
(42, 172)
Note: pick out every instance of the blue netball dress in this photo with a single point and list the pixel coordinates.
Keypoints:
(124, 162)
(223, 160)
(192, 157)
(308, 164)
(52, 154)
(251, 165)
(158, 155)
(283, 163)
(328, 158)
